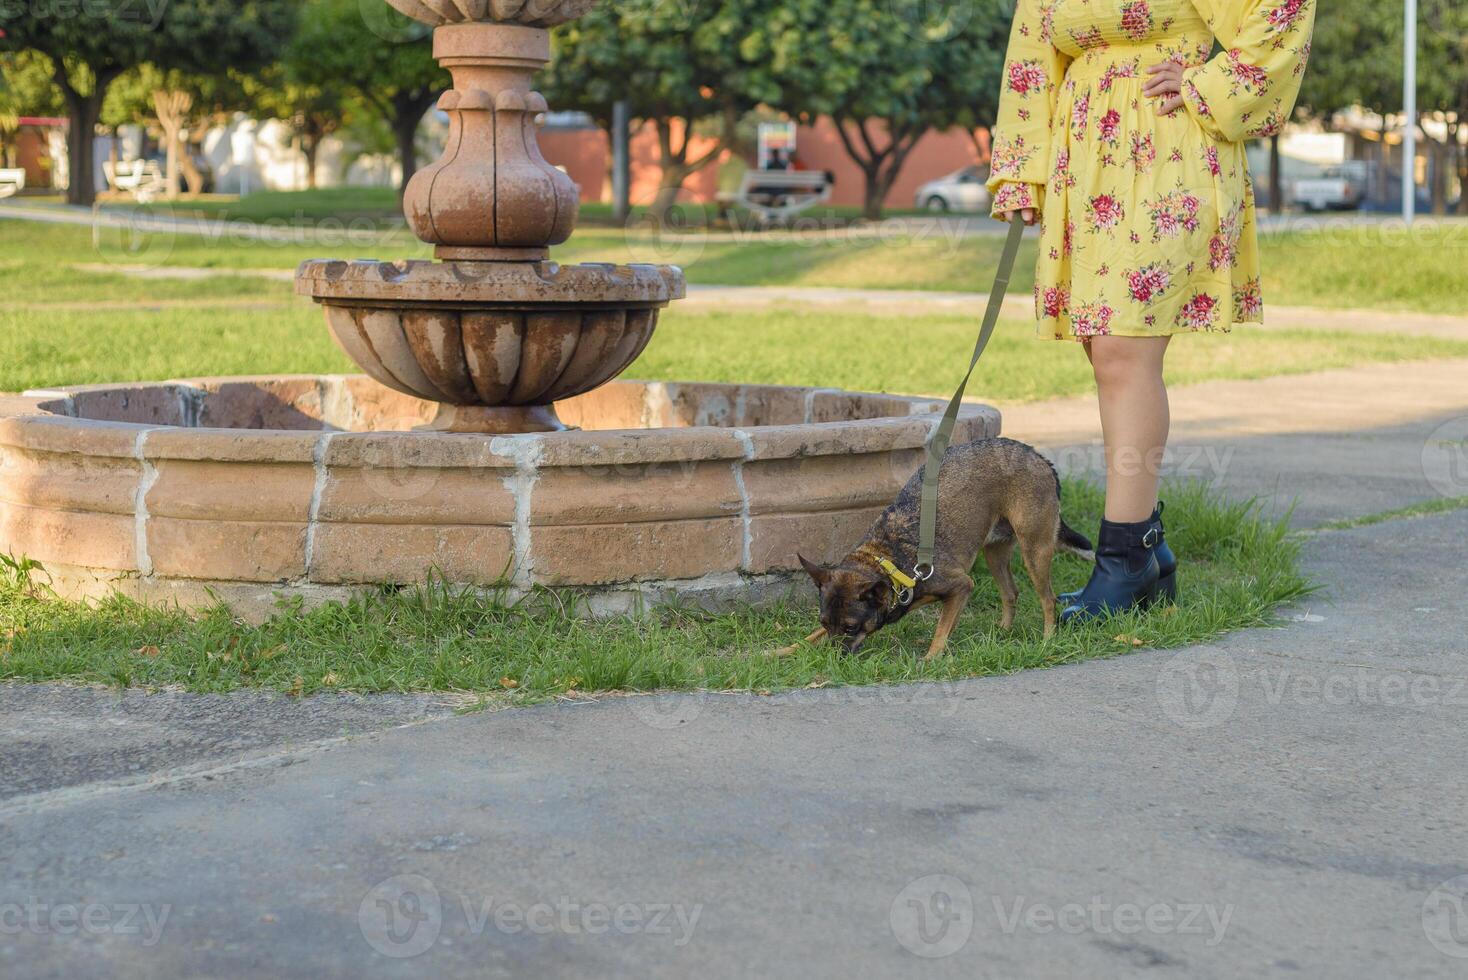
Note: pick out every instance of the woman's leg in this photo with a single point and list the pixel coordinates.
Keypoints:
(1134, 421)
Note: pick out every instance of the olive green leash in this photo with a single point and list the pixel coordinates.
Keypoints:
(943, 434)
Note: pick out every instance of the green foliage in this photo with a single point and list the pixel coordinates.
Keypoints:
(339, 56)
(28, 86)
(94, 44)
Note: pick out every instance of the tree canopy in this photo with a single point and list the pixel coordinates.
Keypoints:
(90, 48)
(387, 64)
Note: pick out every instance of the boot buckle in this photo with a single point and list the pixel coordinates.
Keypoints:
(1149, 540)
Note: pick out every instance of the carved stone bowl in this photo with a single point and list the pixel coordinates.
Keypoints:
(497, 344)
(528, 13)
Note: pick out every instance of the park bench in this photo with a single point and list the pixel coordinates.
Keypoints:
(143, 179)
(776, 196)
(12, 182)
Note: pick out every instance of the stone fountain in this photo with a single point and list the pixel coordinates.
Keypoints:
(494, 331)
(488, 443)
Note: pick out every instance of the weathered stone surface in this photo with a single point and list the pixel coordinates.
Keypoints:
(824, 537)
(623, 511)
(97, 540)
(491, 285)
(616, 405)
(261, 403)
(629, 493)
(243, 551)
(147, 404)
(230, 491)
(830, 482)
(417, 495)
(537, 13)
(405, 553)
(58, 434)
(365, 405)
(601, 554)
(631, 447)
(68, 481)
(230, 445)
(434, 450)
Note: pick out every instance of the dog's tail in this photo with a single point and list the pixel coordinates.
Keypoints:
(1075, 542)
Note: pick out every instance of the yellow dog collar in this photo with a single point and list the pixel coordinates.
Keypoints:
(900, 579)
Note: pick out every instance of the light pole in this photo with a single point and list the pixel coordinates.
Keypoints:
(1409, 109)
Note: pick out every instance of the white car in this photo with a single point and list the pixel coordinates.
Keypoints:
(962, 190)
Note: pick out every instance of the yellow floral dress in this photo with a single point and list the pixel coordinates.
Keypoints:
(1147, 220)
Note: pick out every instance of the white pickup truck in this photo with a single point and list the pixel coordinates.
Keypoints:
(1341, 188)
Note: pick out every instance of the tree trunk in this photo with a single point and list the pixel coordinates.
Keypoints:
(84, 111)
(172, 109)
(406, 113)
(193, 178)
(675, 165)
(1438, 159)
(1276, 192)
(1462, 180)
(876, 195)
(879, 167)
(310, 146)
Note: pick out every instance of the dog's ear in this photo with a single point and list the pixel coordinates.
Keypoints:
(877, 591)
(819, 574)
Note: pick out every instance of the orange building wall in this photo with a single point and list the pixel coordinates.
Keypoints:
(586, 157)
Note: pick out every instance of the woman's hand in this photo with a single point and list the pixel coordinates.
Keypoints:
(1166, 81)
(1027, 215)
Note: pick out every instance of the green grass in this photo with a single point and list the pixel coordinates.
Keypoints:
(44, 348)
(926, 355)
(1424, 509)
(1237, 567)
(1366, 267)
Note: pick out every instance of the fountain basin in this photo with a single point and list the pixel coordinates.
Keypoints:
(496, 343)
(246, 489)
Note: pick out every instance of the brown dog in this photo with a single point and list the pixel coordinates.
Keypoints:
(992, 494)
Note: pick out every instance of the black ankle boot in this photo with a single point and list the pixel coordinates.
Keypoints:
(1125, 575)
(1166, 566)
(1166, 561)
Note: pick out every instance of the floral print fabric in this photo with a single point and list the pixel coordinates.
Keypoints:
(1147, 221)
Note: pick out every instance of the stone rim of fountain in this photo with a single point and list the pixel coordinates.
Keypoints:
(182, 490)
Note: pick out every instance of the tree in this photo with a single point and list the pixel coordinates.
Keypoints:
(395, 75)
(313, 112)
(888, 72)
(181, 107)
(90, 47)
(1443, 90)
(679, 67)
(1355, 60)
(26, 89)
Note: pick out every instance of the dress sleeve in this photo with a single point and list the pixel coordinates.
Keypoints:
(1249, 88)
(1029, 92)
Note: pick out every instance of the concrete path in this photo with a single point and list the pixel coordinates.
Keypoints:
(1283, 802)
(1336, 444)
